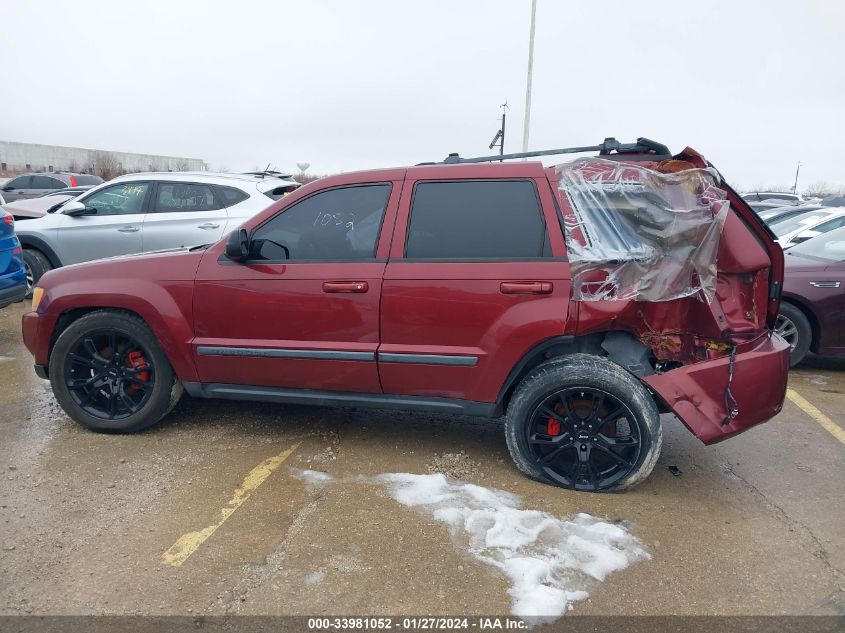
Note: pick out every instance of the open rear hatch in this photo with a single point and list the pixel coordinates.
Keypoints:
(666, 251)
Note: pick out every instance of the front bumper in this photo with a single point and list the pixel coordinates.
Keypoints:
(696, 393)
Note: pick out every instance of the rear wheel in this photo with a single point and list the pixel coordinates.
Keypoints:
(584, 423)
(109, 373)
(794, 327)
(36, 264)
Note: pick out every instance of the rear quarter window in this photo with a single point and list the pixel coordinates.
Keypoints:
(460, 220)
(230, 195)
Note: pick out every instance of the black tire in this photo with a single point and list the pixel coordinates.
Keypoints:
(36, 264)
(578, 446)
(792, 324)
(115, 376)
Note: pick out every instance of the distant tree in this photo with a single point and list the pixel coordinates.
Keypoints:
(822, 189)
(181, 165)
(106, 165)
(304, 179)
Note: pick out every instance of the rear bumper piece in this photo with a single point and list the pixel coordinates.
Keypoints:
(41, 372)
(12, 295)
(696, 393)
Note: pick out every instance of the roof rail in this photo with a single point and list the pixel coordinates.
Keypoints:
(267, 172)
(654, 150)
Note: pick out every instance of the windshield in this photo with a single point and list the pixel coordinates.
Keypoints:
(828, 246)
(804, 220)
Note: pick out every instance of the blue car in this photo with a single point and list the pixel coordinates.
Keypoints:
(12, 271)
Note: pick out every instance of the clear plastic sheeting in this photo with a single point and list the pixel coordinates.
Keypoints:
(635, 233)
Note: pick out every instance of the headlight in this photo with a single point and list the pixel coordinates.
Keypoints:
(37, 294)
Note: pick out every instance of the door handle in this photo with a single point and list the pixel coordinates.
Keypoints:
(526, 287)
(129, 229)
(208, 226)
(345, 286)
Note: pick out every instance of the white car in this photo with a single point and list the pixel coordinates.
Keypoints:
(146, 212)
(808, 225)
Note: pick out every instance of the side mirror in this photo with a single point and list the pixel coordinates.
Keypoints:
(7, 188)
(74, 208)
(237, 247)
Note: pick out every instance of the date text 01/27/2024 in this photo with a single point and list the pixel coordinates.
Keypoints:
(416, 624)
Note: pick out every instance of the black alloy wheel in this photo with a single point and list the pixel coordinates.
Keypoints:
(584, 438)
(109, 374)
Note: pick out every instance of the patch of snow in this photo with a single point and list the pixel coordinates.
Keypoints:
(315, 577)
(550, 561)
(312, 477)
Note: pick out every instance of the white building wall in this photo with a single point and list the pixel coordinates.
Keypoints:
(19, 157)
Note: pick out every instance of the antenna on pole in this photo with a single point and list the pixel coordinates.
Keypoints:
(499, 139)
(795, 186)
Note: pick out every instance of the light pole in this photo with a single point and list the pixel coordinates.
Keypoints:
(528, 81)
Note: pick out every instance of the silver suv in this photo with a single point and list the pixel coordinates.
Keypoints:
(29, 186)
(146, 212)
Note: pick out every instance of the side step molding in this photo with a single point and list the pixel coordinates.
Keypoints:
(283, 395)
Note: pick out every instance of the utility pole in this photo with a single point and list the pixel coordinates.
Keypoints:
(528, 81)
(795, 186)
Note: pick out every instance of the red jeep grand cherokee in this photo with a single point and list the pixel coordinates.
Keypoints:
(580, 301)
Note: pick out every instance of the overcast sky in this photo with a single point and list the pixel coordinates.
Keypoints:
(754, 85)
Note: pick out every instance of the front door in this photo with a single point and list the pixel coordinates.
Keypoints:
(184, 214)
(303, 310)
(474, 281)
(111, 224)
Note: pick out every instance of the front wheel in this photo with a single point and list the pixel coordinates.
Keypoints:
(583, 422)
(795, 329)
(36, 264)
(109, 373)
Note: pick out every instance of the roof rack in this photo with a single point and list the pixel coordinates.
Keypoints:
(267, 172)
(652, 149)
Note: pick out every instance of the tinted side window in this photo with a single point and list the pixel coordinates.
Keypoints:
(84, 179)
(179, 197)
(44, 182)
(336, 224)
(119, 199)
(229, 195)
(475, 220)
(21, 182)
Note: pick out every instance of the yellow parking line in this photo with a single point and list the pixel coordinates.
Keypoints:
(829, 425)
(188, 543)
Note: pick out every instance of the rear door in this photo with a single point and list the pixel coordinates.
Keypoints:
(183, 214)
(302, 311)
(111, 225)
(477, 276)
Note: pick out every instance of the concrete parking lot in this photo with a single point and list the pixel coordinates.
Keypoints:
(208, 513)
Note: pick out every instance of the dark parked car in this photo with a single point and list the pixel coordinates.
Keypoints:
(12, 273)
(37, 185)
(580, 301)
(813, 305)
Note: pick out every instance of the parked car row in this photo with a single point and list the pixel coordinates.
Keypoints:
(36, 185)
(138, 213)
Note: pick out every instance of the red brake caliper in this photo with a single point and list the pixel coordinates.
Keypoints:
(137, 361)
(553, 427)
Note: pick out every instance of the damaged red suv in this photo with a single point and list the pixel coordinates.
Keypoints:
(579, 301)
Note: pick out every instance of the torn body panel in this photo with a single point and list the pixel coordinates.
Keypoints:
(695, 393)
(667, 253)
